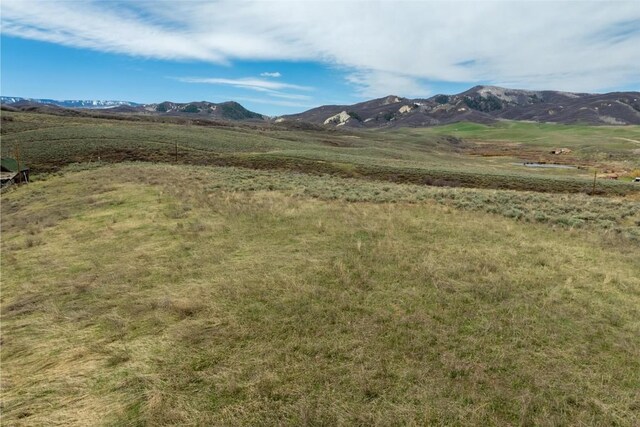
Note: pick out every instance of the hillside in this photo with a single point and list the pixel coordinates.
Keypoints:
(226, 110)
(482, 104)
(141, 294)
(463, 155)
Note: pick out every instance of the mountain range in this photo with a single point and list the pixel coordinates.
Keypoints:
(94, 104)
(480, 104)
(224, 111)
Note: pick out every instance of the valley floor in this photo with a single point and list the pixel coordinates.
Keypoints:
(147, 294)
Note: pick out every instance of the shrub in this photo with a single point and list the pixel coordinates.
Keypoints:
(576, 222)
(514, 213)
(540, 217)
(490, 103)
(354, 115)
(191, 108)
(441, 99)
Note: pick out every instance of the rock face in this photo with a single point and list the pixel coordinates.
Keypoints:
(482, 104)
(339, 119)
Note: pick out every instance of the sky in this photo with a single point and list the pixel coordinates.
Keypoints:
(280, 57)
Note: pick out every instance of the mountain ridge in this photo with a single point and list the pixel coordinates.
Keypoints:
(68, 103)
(229, 110)
(481, 104)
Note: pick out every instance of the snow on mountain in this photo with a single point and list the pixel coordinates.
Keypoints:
(68, 103)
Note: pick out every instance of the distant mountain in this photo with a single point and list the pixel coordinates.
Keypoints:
(229, 110)
(481, 104)
(93, 104)
(226, 110)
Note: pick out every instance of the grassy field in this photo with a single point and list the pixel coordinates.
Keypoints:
(596, 143)
(281, 276)
(434, 156)
(149, 294)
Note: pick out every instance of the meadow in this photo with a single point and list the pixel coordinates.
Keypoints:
(415, 156)
(205, 292)
(595, 143)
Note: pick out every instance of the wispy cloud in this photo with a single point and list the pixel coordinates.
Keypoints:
(271, 88)
(104, 27)
(267, 74)
(397, 46)
(245, 83)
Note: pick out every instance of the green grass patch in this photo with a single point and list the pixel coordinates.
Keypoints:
(172, 295)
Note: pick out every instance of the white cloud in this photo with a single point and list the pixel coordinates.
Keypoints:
(267, 74)
(393, 47)
(245, 83)
(268, 87)
(101, 27)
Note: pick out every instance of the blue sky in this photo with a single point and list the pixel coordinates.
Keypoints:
(279, 57)
(34, 69)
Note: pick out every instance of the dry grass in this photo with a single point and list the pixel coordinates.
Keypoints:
(418, 156)
(159, 296)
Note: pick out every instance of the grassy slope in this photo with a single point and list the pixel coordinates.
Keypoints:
(588, 141)
(157, 295)
(415, 156)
